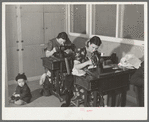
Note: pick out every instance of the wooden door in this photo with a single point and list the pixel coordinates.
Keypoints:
(54, 20)
(32, 37)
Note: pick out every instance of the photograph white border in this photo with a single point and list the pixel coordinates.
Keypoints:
(81, 113)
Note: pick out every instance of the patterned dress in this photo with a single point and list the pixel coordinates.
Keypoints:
(81, 76)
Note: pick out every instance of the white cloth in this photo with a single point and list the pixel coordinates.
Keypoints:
(130, 61)
(80, 72)
(49, 73)
(76, 71)
(43, 77)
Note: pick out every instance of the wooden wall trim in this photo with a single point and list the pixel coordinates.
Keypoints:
(19, 37)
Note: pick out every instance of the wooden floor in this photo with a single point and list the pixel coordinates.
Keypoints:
(42, 101)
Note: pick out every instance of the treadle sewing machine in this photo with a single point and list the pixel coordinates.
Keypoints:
(59, 64)
(111, 80)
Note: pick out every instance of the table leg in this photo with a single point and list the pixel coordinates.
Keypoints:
(113, 99)
(123, 98)
(52, 80)
(57, 83)
(56, 86)
(85, 98)
(95, 99)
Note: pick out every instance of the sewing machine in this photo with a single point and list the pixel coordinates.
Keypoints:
(61, 51)
(57, 67)
(110, 81)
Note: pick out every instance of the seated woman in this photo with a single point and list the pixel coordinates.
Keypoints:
(137, 80)
(53, 46)
(82, 63)
(52, 49)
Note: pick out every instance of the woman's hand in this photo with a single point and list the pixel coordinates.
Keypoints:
(68, 51)
(91, 66)
(50, 53)
(54, 50)
(89, 62)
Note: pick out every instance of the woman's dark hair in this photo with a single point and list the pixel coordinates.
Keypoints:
(95, 40)
(63, 35)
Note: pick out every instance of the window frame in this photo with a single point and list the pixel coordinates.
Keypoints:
(69, 26)
(116, 39)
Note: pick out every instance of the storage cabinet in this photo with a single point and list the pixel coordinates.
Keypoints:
(39, 23)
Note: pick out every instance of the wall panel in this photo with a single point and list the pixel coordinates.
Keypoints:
(32, 36)
(31, 8)
(32, 63)
(10, 8)
(32, 28)
(54, 8)
(11, 29)
(11, 45)
(12, 63)
(54, 24)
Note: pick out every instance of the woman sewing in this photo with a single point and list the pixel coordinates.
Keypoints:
(53, 48)
(84, 68)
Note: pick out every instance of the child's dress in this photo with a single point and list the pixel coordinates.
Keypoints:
(24, 92)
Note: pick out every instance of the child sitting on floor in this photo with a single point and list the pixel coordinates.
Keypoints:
(22, 94)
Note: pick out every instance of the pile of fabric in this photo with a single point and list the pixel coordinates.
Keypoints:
(130, 61)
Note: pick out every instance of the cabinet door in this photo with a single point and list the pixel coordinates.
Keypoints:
(54, 20)
(32, 36)
(11, 42)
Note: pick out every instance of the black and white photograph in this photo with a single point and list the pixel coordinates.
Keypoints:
(74, 60)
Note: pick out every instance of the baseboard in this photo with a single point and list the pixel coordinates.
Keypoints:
(28, 79)
(131, 99)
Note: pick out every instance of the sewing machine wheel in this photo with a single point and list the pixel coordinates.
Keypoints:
(90, 102)
(54, 84)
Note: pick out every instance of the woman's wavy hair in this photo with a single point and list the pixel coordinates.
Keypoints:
(94, 40)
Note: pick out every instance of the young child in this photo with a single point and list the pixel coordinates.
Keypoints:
(22, 94)
(45, 82)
